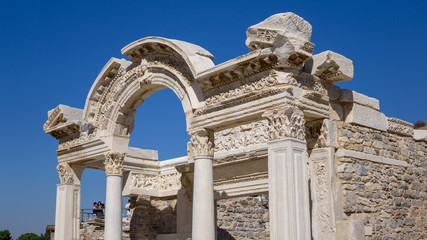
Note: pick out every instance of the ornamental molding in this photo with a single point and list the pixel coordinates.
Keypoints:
(66, 174)
(108, 95)
(287, 122)
(114, 163)
(242, 179)
(400, 127)
(241, 136)
(163, 182)
(202, 144)
(269, 81)
(323, 217)
(84, 137)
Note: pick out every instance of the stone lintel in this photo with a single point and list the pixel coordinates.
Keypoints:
(365, 116)
(369, 157)
(349, 96)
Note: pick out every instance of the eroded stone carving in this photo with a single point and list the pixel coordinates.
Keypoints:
(65, 173)
(267, 81)
(287, 122)
(287, 35)
(401, 127)
(241, 136)
(331, 66)
(324, 225)
(156, 182)
(114, 163)
(202, 144)
(328, 134)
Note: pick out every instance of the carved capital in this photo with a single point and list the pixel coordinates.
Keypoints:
(65, 173)
(202, 144)
(285, 122)
(114, 163)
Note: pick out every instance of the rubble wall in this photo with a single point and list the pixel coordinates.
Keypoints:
(391, 199)
(243, 218)
(152, 216)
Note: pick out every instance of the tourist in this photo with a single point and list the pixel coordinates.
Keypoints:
(127, 208)
(95, 209)
(100, 208)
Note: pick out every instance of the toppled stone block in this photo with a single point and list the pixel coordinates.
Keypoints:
(287, 35)
(330, 66)
(349, 96)
(365, 116)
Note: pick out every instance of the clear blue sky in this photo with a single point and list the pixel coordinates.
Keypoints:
(52, 51)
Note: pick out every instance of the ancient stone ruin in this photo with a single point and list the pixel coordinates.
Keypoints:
(277, 151)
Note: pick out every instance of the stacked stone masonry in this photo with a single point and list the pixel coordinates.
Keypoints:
(391, 200)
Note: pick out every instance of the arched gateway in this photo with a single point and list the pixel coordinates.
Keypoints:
(269, 121)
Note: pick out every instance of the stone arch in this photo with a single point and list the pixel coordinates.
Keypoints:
(156, 63)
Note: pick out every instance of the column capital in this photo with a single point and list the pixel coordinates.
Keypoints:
(66, 175)
(114, 163)
(202, 143)
(285, 122)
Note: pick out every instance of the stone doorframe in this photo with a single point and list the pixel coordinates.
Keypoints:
(246, 118)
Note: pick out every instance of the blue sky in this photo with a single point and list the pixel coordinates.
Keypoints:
(52, 51)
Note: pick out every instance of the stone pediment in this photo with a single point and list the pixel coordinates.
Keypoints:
(64, 121)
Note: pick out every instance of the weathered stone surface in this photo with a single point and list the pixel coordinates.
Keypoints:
(254, 121)
(288, 36)
(365, 116)
(348, 96)
(330, 66)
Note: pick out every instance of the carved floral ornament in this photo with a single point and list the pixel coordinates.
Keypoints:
(202, 144)
(114, 163)
(287, 122)
(65, 173)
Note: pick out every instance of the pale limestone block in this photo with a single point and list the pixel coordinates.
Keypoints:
(288, 36)
(365, 116)
(349, 96)
(420, 135)
(368, 157)
(330, 66)
(350, 230)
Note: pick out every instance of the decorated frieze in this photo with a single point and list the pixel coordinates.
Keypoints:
(163, 182)
(114, 163)
(241, 136)
(287, 122)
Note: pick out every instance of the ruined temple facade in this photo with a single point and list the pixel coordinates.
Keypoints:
(277, 151)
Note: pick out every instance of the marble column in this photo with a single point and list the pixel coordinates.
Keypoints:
(204, 225)
(67, 215)
(113, 202)
(288, 175)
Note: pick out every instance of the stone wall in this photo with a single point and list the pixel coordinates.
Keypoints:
(152, 216)
(243, 218)
(391, 199)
